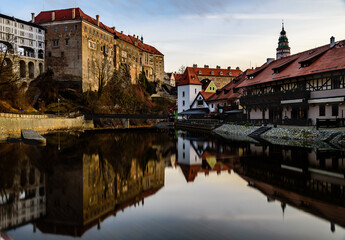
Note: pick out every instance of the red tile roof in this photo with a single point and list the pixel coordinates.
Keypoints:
(227, 92)
(188, 78)
(66, 14)
(216, 72)
(321, 59)
(206, 95)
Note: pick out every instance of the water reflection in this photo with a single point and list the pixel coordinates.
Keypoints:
(78, 181)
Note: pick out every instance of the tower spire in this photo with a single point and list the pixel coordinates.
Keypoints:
(283, 49)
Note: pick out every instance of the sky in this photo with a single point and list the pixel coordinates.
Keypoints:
(214, 32)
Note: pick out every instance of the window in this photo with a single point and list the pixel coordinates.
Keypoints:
(221, 73)
(85, 29)
(76, 27)
(200, 103)
(183, 103)
(62, 54)
(183, 94)
(67, 42)
(336, 83)
(335, 109)
(195, 91)
(55, 43)
(56, 29)
(49, 54)
(66, 28)
(322, 110)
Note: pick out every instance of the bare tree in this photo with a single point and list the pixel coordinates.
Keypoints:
(181, 69)
(103, 71)
(9, 67)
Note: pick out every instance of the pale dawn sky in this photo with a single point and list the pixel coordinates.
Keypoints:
(218, 32)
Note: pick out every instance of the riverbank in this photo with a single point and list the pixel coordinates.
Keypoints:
(14, 123)
(286, 135)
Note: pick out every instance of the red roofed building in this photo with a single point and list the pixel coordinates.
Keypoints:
(219, 76)
(188, 88)
(76, 44)
(298, 89)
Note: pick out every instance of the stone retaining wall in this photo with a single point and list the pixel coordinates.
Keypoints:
(14, 123)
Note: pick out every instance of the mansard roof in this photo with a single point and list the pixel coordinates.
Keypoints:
(318, 60)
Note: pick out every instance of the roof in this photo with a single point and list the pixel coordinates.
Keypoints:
(66, 14)
(21, 21)
(216, 72)
(195, 111)
(228, 92)
(137, 42)
(206, 95)
(188, 78)
(178, 77)
(320, 59)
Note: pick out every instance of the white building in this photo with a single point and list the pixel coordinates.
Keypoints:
(187, 89)
(25, 40)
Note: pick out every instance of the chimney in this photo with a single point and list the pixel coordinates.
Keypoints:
(121, 32)
(134, 35)
(218, 67)
(97, 19)
(195, 65)
(142, 39)
(205, 66)
(269, 60)
(33, 17)
(53, 16)
(137, 37)
(237, 68)
(113, 28)
(229, 68)
(73, 13)
(332, 42)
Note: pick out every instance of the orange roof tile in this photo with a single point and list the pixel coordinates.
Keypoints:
(66, 14)
(216, 72)
(188, 78)
(321, 59)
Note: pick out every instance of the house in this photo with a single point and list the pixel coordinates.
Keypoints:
(219, 76)
(22, 47)
(298, 89)
(188, 87)
(79, 47)
(208, 86)
(226, 99)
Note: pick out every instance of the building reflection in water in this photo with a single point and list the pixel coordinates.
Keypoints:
(22, 187)
(311, 180)
(92, 185)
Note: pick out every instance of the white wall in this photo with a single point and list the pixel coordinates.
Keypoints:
(186, 153)
(199, 98)
(313, 112)
(190, 92)
(255, 114)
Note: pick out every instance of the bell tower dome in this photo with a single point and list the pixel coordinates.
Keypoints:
(283, 49)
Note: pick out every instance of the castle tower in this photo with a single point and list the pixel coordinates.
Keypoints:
(283, 49)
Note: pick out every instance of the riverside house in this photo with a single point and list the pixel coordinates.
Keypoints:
(300, 89)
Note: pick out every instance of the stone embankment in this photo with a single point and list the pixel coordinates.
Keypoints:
(14, 123)
(287, 135)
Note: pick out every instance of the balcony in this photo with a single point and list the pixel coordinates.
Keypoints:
(274, 98)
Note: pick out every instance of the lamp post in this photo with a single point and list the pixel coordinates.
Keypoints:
(58, 106)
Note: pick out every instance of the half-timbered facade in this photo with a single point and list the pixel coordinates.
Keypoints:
(299, 89)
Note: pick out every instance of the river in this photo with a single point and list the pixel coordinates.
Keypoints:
(168, 185)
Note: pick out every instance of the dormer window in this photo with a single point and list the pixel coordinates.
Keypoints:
(199, 72)
(221, 73)
(230, 73)
(212, 72)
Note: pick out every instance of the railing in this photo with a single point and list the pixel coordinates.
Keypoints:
(274, 97)
(330, 122)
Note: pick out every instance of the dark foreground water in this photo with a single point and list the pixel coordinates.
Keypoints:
(148, 185)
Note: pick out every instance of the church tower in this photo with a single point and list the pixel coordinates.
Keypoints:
(283, 49)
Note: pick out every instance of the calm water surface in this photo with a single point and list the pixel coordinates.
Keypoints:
(177, 185)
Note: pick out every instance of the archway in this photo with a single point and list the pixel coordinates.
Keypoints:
(22, 66)
(40, 66)
(31, 70)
